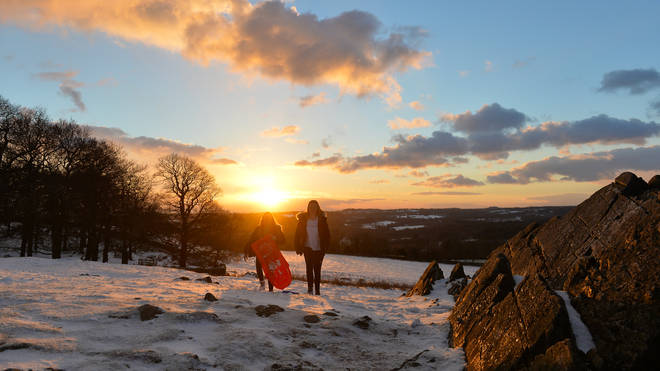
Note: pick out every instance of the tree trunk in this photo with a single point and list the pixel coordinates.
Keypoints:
(106, 244)
(56, 241)
(183, 255)
(124, 251)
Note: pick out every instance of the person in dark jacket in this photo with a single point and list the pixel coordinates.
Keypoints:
(268, 225)
(312, 239)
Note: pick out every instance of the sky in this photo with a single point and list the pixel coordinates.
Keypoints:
(370, 104)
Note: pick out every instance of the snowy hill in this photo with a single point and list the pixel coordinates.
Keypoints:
(69, 314)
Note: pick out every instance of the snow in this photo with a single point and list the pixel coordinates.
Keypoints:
(418, 216)
(402, 227)
(582, 335)
(517, 279)
(57, 313)
(374, 225)
(355, 268)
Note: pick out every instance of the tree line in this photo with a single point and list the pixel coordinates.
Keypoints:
(63, 190)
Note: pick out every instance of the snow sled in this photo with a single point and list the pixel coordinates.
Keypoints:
(272, 261)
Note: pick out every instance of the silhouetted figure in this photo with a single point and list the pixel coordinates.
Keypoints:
(268, 225)
(312, 239)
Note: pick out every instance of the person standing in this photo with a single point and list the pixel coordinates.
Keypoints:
(268, 225)
(312, 239)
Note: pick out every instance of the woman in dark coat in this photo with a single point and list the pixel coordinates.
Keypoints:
(268, 225)
(312, 239)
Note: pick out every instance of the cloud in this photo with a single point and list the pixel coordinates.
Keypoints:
(492, 133)
(448, 193)
(379, 181)
(326, 142)
(583, 167)
(636, 81)
(488, 66)
(149, 148)
(464, 73)
(68, 86)
(333, 160)
(501, 177)
(296, 141)
(416, 105)
(564, 199)
(446, 181)
(523, 63)
(276, 132)
(655, 107)
(400, 123)
(352, 50)
(489, 118)
(418, 174)
(311, 100)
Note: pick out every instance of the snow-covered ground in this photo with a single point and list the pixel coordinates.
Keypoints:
(355, 268)
(64, 314)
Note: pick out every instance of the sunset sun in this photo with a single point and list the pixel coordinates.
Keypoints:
(268, 197)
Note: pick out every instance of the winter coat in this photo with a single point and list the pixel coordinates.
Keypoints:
(258, 234)
(301, 233)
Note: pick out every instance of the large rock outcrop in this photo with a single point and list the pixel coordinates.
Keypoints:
(424, 285)
(606, 254)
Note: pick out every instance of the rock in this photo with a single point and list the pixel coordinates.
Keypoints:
(219, 270)
(425, 283)
(331, 314)
(210, 297)
(457, 273)
(631, 183)
(149, 312)
(561, 356)
(267, 310)
(183, 278)
(456, 287)
(507, 333)
(606, 254)
(362, 322)
(312, 318)
(654, 183)
(198, 317)
(206, 279)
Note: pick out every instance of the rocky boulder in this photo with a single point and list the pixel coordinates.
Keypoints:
(606, 254)
(149, 312)
(502, 327)
(457, 272)
(425, 283)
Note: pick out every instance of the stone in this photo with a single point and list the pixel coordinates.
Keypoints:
(331, 314)
(267, 310)
(606, 254)
(425, 283)
(198, 317)
(210, 297)
(312, 318)
(456, 287)
(631, 183)
(457, 272)
(654, 183)
(149, 312)
(206, 279)
(183, 278)
(362, 322)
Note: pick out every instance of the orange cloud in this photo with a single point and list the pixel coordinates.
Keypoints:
(416, 105)
(310, 100)
(349, 50)
(400, 123)
(276, 132)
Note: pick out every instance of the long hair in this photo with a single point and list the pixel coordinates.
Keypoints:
(268, 217)
(310, 203)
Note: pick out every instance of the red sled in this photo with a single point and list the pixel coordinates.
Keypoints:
(272, 262)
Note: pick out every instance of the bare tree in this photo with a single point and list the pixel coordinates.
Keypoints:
(191, 189)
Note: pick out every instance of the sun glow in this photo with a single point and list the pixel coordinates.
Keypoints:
(268, 197)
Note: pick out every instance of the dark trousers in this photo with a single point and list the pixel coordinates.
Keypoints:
(260, 274)
(313, 261)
